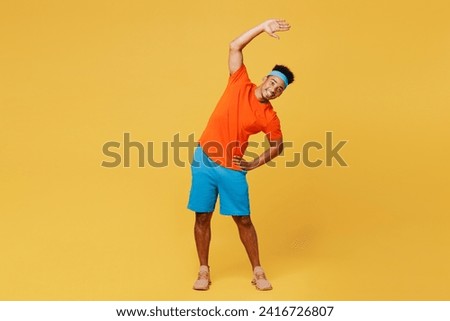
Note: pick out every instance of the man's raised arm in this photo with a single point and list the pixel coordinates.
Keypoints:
(235, 58)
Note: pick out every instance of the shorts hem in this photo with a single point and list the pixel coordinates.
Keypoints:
(200, 211)
(235, 214)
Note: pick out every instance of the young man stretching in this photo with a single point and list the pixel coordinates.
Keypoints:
(218, 166)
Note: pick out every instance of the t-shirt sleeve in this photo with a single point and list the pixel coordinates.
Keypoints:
(273, 129)
(239, 76)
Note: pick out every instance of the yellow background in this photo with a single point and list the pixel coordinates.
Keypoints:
(76, 74)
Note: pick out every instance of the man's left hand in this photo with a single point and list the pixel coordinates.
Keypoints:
(242, 163)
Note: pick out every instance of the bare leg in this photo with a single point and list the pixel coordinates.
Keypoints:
(249, 238)
(202, 233)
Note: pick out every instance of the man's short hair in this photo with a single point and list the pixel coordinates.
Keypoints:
(285, 71)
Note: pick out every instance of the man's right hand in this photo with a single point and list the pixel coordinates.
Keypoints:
(274, 25)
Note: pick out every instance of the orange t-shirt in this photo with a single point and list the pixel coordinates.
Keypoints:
(238, 115)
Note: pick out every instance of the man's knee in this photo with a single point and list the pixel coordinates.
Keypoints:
(243, 221)
(202, 218)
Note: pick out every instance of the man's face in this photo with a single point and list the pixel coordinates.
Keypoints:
(272, 87)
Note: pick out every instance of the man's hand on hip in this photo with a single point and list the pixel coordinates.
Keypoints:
(242, 163)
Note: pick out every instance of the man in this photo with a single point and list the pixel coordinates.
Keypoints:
(218, 167)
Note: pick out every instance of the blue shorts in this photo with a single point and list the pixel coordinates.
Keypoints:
(210, 180)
